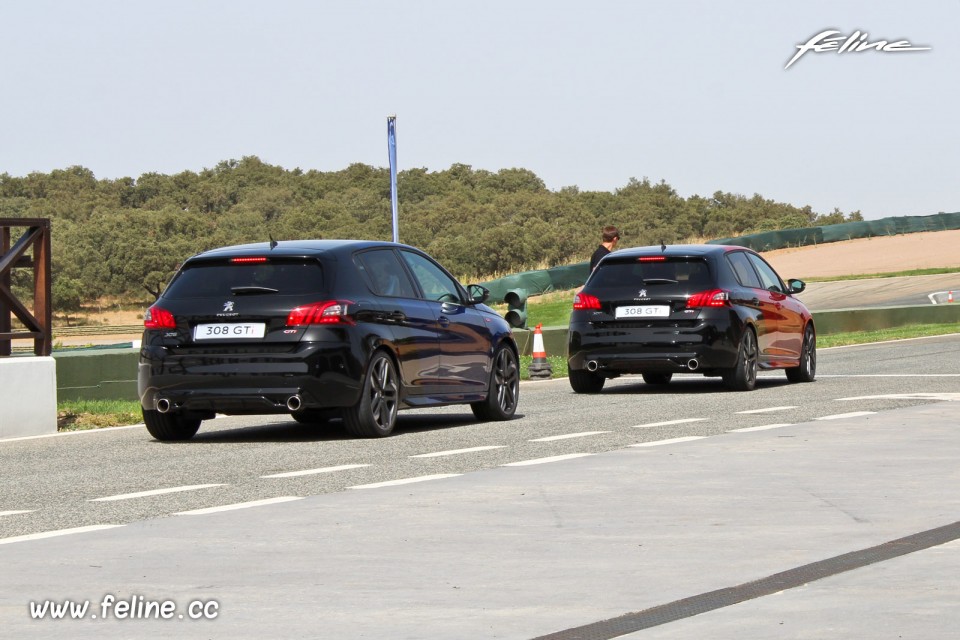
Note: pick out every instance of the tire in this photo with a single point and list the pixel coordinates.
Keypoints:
(657, 378)
(375, 414)
(807, 370)
(503, 394)
(170, 427)
(583, 381)
(743, 376)
(314, 416)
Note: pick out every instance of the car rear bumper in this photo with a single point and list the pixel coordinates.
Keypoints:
(205, 381)
(703, 348)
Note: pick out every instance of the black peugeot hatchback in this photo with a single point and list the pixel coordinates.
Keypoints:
(321, 329)
(707, 309)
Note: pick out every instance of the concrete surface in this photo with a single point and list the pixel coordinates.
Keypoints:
(523, 552)
(28, 396)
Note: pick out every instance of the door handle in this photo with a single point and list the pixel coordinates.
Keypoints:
(396, 316)
(444, 321)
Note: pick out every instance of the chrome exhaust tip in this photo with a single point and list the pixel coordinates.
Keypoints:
(294, 403)
(693, 364)
(163, 405)
(593, 365)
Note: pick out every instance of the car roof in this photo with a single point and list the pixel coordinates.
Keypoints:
(675, 250)
(296, 248)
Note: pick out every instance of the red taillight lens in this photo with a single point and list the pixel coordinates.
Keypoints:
(327, 312)
(157, 318)
(250, 260)
(711, 298)
(586, 301)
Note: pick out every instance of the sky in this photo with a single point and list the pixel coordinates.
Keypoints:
(583, 93)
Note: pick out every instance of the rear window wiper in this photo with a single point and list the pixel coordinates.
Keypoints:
(659, 281)
(251, 289)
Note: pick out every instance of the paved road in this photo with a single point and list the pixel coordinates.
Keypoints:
(879, 292)
(519, 551)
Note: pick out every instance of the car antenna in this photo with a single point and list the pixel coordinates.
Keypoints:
(273, 243)
(663, 247)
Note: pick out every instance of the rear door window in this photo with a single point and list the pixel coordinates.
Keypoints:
(219, 279)
(384, 273)
(740, 264)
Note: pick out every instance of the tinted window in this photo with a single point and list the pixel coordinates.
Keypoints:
(687, 274)
(202, 280)
(742, 269)
(769, 278)
(384, 273)
(434, 281)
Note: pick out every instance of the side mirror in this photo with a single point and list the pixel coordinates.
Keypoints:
(478, 293)
(796, 286)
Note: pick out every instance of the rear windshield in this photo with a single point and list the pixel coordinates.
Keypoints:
(202, 280)
(686, 274)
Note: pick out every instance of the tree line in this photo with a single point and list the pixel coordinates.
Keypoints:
(126, 236)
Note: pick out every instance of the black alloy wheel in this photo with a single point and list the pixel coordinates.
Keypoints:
(743, 376)
(807, 370)
(503, 393)
(375, 414)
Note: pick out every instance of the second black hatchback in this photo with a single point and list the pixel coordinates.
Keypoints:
(321, 329)
(706, 309)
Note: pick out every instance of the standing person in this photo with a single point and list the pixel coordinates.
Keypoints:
(609, 240)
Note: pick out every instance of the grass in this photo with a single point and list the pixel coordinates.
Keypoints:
(80, 415)
(892, 274)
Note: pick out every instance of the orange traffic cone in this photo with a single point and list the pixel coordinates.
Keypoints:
(949, 296)
(540, 367)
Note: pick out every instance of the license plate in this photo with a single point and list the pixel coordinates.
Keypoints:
(643, 311)
(229, 331)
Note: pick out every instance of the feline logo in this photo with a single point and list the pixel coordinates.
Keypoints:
(831, 39)
(228, 306)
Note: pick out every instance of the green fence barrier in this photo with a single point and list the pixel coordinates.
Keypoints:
(770, 240)
(539, 282)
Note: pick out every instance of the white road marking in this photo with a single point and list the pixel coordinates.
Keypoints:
(239, 505)
(61, 434)
(154, 492)
(60, 532)
(657, 443)
(947, 397)
(13, 513)
(840, 416)
(762, 427)
(889, 375)
(310, 472)
(767, 410)
(394, 483)
(668, 423)
(453, 452)
(527, 463)
(582, 434)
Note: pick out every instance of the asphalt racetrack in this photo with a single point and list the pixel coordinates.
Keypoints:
(796, 510)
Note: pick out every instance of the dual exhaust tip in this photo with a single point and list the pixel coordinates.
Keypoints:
(692, 364)
(164, 405)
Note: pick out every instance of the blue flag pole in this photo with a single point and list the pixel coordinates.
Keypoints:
(392, 149)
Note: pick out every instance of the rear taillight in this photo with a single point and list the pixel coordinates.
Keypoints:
(586, 301)
(249, 260)
(157, 318)
(711, 298)
(327, 312)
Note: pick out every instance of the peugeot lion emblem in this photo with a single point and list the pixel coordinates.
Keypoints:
(228, 306)
(643, 293)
